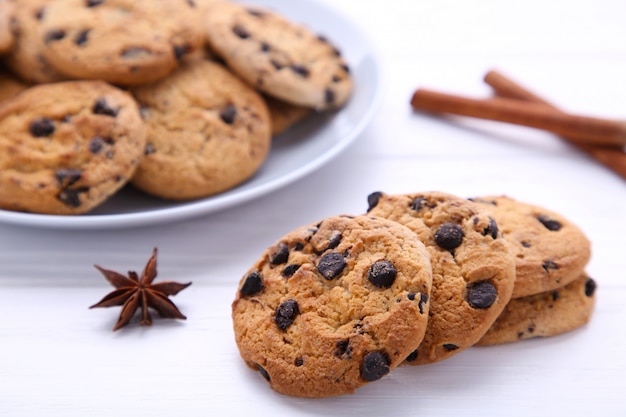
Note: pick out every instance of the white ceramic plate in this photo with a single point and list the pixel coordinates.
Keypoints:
(300, 151)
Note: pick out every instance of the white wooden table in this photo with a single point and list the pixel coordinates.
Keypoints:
(57, 358)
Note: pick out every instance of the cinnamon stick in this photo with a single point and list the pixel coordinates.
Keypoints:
(578, 128)
(613, 158)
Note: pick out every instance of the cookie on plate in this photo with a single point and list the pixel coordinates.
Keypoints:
(550, 251)
(9, 85)
(547, 314)
(279, 57)
(6, 36)
(66, 147)
(332, 306)
(473, 268)
(284, 115)
(125, 42)
(207, 131)
(25, 57)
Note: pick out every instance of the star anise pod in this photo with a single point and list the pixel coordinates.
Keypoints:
(135, 292)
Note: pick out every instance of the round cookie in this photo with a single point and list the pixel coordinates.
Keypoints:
(125, 42)
(278, 57)
(473, 268)
(332, 306)
(6, 36)
(25, 57)
(547, 314)
(207, 132)
(550, 251)
(66, 147)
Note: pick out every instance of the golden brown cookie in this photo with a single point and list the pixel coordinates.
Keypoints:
(547, 314)
(332, 306)
(126, 42)
(473, 268)
(550, 251)
(279, 57)
(207, 132)
(25, 57)
(66, 147)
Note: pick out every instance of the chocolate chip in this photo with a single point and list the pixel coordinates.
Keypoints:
(252, 285)
(345, 68)
(102, 107)
(40, 13)
(525, 244)
(71, 196)
(191, 4)
(555, 296)
(590, 287)
(412, 356)
(449, 347)
(481, 294)
(279, 254)
(549, 223)
(491, 229)
(241, 32)
(93, 3)
(228, 114)
(298, 361)
(375, 366)
(290, 270)
(263, 372)
(300, 70)
(423, 300)
(97, 143)
(68, 176)
(41, 127)
(81, 37)
(373, 199)
(419, 203)
(343, 348)
(286, 313)
(382, 274)
(265, 47)
(54, 35)
(549, 264)
(256, 13)
(449, 236)
(329, 96)
(331, 265)
(149, 149)
(531, 329)
(333, 242)
(180, 51)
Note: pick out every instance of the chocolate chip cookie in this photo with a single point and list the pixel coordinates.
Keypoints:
(547, 314)
(66, 147)
(277, 56)
(550, 251)
(334, 305)
(207, 131)
(473, 268)
(126, 42)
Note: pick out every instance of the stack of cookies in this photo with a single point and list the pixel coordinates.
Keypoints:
(420, 277)
(181, 98)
